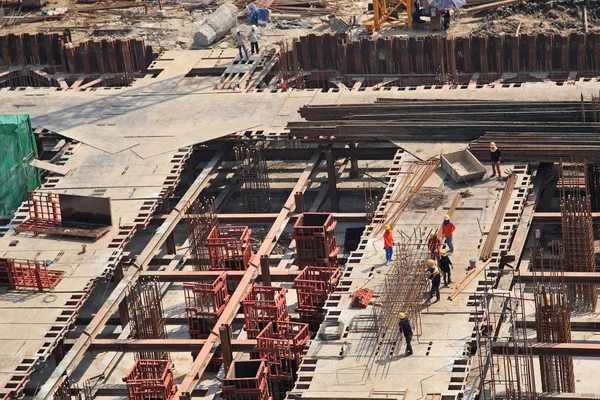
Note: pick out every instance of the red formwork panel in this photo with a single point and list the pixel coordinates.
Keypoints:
(44, 213)
(150, 380)
(204, 303)
(313, 285)
(28, 274)
(247, 380)
(229, 248)
(282, 345)
(314, 234)
(264, 304)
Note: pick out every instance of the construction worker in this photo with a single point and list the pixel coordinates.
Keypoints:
(445, 265)
(239, 41)
(435, 244)
(448, 230)
(253, 37)
(406, 330)
(434, 277)
(388, 243)
(495, 156)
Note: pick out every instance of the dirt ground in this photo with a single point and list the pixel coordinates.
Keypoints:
(175, 30)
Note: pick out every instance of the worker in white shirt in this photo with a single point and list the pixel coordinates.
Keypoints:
(253, 37)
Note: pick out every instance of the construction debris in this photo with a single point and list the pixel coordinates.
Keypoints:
(216, 25)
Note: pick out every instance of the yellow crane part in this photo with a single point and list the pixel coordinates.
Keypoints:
(381, 14)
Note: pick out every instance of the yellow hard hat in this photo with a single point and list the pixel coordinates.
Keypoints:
(492, 144)
(401, 315)
(432, 233)
(442, 253)
(387, 227)
(430, 263)
(446, 217)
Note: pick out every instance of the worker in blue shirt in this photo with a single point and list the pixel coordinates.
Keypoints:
(445, 265)
(434, 276)
(406, 330)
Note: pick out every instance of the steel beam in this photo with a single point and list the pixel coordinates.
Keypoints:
(550, 349)
(207, 276)
(555, 217)
(184, 390)
(570, 278)
(170, 345)
(110, 306)
(333, 196)
(270, 217)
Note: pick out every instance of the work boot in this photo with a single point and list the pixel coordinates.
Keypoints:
(493, 175)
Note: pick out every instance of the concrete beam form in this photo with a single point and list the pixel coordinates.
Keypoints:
(569, 278)
(550, 349)
(170, 345)
(207, 276)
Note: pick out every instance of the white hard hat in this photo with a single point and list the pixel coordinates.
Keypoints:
(253, 27)
(237, 30)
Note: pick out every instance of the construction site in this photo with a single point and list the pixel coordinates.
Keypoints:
(180, 222)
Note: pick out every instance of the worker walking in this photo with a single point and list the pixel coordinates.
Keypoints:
(446, 23)
(434, 277)
(495, 156)
(448, 230)
(253, 38)
(239, 40)
(388, 243)
(435, 244)
(406, 330)
(445, 265)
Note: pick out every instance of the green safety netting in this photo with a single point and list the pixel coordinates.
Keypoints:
(17, 150)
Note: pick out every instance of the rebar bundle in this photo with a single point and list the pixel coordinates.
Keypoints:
(593, 185)
(254, 179)
(578, 238)
(404, 288)
(146, 317)
(201, 219)
(553, 323)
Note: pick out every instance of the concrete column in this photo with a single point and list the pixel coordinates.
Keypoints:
(225, 334)
(353, 163)
(265, 270)
(333, 198)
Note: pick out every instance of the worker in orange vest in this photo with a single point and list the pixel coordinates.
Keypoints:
(448, 230)
(388, 243)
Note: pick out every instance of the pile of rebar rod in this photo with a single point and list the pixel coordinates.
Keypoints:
(578, 238)
(445, 121)
(146, 317)
(414, 177)
(201, 219)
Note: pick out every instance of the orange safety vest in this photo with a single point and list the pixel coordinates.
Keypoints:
(448, 229)
(388, 239)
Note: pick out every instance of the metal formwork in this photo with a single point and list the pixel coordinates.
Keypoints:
(247, 380)
(229, 248)
(204, 303)
(282, 345)
(262, 305)
(314, 234)
(313, 285)
(44, 213)
(28, 273)
(150, 380)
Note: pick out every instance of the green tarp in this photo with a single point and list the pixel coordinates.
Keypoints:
(17, 149)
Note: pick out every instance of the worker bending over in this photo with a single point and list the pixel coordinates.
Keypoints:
(445, 265)
(448, 230)
(435, 244)
(388, 243)
(406, 330)
(495, 156)
(434, 277)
